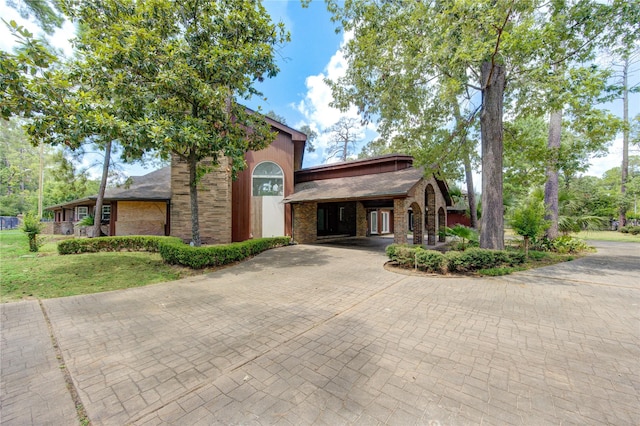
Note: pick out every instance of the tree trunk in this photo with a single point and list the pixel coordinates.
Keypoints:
(471, 195)
(551, 186)
(493, 84)
(625, 141)
(97, 215)
(468, 171)
(193, 196)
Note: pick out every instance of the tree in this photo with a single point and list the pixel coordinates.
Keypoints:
(277, 117)
(46, 13)
(406, 58)
(174, 71)
(528, 221)
(18, 70)
(344, 135)
(312, 135)
(410, 61)
(18, 170)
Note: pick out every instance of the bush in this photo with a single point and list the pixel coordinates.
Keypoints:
(567, 244)
(128, 243)
(473, 259)
(176, 253)
(429, 260)
(32, 227)
(633, 230)
(173, 250)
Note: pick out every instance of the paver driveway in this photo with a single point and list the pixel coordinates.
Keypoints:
(324, 335)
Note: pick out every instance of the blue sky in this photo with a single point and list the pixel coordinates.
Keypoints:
(298, 92)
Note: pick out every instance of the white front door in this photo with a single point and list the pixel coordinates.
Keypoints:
(374, 222)
(272, 216)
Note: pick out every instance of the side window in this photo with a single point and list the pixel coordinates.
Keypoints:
(268, 179)
(106, 213)
(82, 212)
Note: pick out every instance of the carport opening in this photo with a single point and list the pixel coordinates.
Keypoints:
(337, 219)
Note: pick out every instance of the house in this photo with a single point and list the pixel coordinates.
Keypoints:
(381, 195)
(274, 196)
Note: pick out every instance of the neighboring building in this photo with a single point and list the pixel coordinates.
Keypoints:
(141, 208)
(274, 196)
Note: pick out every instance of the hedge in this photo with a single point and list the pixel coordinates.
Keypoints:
(202, 257)
(173, 250)
(472, 259)
(129, 243)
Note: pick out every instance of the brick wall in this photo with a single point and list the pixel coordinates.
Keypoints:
(400, 225)
(141, 217)
(361, 220)
(305, 222)
(214, 198)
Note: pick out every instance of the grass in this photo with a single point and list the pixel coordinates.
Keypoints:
(43, 275)
(608, 236)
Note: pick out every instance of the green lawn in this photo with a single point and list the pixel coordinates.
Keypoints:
(25, 275)
(608, 236)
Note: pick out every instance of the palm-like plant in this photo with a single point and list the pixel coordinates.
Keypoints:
(462, 233)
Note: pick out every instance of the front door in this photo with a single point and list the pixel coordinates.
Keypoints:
(268, 194)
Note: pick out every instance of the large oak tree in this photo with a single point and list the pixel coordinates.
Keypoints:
(170, 73)
(409, 61)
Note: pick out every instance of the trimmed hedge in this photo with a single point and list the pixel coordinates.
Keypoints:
(129, 243)
(202, 257)
(173, 250)
(470, 260)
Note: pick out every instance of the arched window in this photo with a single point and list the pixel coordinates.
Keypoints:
(268, 179)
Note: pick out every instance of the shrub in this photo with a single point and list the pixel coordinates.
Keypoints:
(86, 221)
(634, 230)
(173, 250)
(128, 243)
(464, 234)
(32, 227)
(567, 244)
(429, 260)
(475, 259)
(528, 221)
(201, 257)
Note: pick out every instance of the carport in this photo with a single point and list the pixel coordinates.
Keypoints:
(364, 198)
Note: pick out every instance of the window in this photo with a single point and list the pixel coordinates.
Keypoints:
(268, 179)
(385, 222)
(374, 222)
(82, 212)
(341, 214)
(106, 213)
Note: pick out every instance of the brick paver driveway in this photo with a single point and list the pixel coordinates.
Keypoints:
(324, 335)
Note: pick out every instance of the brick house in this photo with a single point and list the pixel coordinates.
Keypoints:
(274, 196)
(381, 195)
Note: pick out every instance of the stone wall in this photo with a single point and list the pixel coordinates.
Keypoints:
(305, 223)
(214, 198)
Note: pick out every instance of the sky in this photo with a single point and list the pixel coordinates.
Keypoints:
(298, 93)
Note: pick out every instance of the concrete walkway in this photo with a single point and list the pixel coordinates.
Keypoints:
(324, 335)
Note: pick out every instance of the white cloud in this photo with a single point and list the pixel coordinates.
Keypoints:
(612, 159)
(316, 108)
